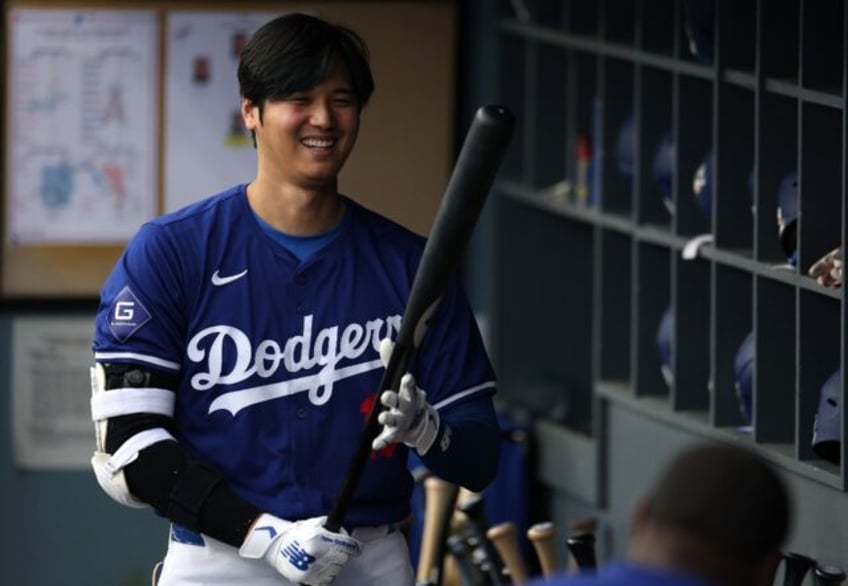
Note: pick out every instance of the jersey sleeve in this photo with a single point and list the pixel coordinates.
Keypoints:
(139, 318)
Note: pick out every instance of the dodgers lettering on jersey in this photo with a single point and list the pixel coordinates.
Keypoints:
(278, 358)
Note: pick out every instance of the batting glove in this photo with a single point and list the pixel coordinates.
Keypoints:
(303, 552)
(409, 418)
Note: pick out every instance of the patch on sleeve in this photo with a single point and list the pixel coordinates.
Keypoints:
(126, 315)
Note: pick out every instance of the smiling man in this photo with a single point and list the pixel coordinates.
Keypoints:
(238, 348)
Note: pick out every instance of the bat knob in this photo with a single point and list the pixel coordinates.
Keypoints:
(829, 575)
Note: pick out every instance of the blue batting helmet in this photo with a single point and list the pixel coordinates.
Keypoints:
(624, 149)
(787, 215)
(663, 169)
(699, 22)
(702, 186)
(827, 427)
(743, 368)
(665, 332)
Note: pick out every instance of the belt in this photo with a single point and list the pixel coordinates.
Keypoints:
(180, 534)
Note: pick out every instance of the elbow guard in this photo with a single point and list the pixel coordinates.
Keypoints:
(133, 396)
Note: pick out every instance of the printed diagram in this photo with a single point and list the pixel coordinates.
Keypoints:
(83, 126)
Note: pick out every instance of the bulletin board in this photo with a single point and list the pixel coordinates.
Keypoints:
(115, 114)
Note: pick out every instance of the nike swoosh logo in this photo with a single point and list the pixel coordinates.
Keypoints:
(218, 280)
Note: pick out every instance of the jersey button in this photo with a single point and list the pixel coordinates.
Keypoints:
(301, 413)
(301, 279)
(299, 308)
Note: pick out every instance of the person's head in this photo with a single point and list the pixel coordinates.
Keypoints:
(295, 52)
(318, 73)
(717, 510)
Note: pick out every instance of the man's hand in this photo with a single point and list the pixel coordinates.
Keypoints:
(408, 417)
(303, 552)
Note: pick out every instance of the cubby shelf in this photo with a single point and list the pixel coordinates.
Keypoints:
(682, 144)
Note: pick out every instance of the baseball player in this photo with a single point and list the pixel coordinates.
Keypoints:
(238, 349)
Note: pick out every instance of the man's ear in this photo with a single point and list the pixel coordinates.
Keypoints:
(250, 114)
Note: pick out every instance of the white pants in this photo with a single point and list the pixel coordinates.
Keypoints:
(384, 560)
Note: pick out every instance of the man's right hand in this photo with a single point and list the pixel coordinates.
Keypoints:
(303, 552)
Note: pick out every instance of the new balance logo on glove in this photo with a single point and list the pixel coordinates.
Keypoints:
(297, 556)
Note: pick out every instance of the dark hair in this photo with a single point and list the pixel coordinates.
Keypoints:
(726, 496)
(295, 52)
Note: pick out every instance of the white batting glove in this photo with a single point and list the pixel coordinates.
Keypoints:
(409, 418)
(303, 552)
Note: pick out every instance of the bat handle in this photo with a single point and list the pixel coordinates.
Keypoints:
(795, 567)
(396, 368)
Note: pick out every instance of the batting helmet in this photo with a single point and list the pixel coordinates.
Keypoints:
(827, 426)
(743, 369)
(663, 169)
(699, 22)
(702, 185)
(624, 149)
(787, 215)
(665, 331)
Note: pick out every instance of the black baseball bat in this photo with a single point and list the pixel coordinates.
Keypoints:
(795, 567)
(582, 549)
(472, 177)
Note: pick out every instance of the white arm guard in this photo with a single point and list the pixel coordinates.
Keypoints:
(109, 468)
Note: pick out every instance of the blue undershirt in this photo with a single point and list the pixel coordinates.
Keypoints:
(301, 246)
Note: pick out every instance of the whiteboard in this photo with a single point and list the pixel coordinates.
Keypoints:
(207, 148)
(83, 122)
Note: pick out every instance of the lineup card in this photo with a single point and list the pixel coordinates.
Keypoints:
(82, 119)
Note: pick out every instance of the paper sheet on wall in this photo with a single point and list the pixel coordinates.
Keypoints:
(82, 125)
(207, 148)
(51, 388)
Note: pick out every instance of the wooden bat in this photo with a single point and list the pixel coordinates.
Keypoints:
(439, 501)
(472, 177)
(465, 574)
(483, 551)
(503, 537)
(542, 535)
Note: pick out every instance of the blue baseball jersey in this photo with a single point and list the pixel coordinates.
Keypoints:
(277, 358)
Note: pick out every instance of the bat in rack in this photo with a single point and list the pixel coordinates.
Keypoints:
(483, 553)
(581, 544)
(542, 536)
(466, 191)
(505, 539)
(439, 502)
